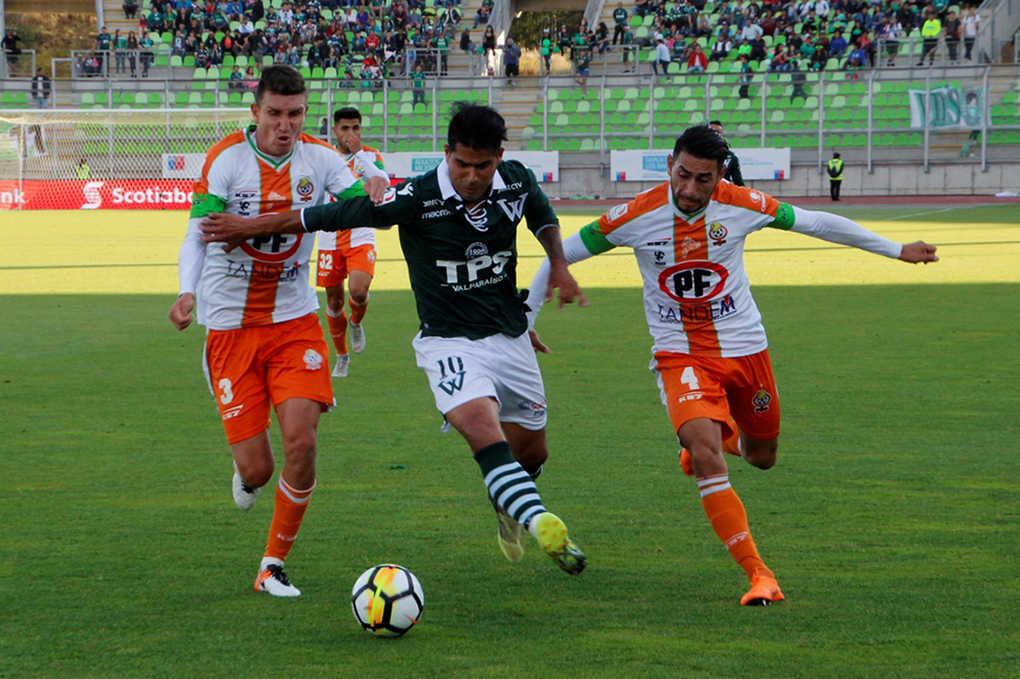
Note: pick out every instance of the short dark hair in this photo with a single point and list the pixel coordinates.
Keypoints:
(348, 112)
(280, 79)
(716, 122)
(476, 126)
(701, 141)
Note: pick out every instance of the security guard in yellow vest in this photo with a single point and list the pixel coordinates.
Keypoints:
(83, 170)
(930, 32)
(835, 176)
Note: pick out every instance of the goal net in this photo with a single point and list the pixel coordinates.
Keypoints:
(107, 159)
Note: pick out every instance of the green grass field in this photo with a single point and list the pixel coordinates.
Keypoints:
(891, 518)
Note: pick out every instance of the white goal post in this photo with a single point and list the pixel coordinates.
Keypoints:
(116, 158)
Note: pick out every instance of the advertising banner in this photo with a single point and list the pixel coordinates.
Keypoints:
(126, 194)
(545, 164)
(650, 166)
(948, 107)
(182, 165)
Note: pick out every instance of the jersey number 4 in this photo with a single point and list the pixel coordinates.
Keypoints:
(690, 379)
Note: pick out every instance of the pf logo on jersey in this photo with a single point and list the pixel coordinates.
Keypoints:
(305, 189)
(717, 232)
(694, 281)
(761, 401)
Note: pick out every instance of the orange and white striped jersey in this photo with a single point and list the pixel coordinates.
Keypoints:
(265, 280)
(697, 295)
(352, 238)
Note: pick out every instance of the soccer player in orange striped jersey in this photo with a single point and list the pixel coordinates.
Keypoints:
(348, 254)
(264, 345)
(710, 349)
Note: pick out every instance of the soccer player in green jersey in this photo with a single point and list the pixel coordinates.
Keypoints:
(458, 230)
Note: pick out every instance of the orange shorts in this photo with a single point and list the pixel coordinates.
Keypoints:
(336, 265)
(249, 368)
(717, 388)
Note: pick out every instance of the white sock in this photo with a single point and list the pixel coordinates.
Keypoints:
(270, 561)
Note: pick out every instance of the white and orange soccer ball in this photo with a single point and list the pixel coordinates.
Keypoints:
(387, 600)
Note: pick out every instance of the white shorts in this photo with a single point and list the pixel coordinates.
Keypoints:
(502, 367)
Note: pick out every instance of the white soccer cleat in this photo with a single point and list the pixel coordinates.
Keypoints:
(273, 580)
(244, 495)
(357, 337)
(343, 361)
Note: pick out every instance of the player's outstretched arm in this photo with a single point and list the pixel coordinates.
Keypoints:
(918, 253)
(232, 230)
(559, 274)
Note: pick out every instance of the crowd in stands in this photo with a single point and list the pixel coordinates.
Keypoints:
(383, 37)
(773, 35)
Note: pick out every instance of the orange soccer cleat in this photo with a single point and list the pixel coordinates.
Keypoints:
(764, 589)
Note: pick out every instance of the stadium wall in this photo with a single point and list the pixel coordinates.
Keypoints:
(582, 175)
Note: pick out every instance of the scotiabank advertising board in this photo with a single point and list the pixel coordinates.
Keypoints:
(119, 194)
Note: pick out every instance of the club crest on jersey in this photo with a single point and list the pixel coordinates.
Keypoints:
(359, 170)
(761, 401)
(616, 212)
(476, 250)
(687, 246)
(693, 282)
(717, 232)
(313, 359)
(514, 209)
(305, 189)
(371, 256)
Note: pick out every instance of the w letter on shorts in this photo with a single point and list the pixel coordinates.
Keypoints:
(716, 388)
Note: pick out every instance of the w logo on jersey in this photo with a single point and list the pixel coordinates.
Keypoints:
(514, 210)
(451, 374)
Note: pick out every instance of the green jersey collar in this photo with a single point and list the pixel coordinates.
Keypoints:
(680, 213)
(276, 162)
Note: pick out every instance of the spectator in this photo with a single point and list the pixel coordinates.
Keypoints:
(697, 62)
(799, 80)
(751, 32)
(236, 82)
(971, 26)
(601, 35)
(745, 77)
(482, 16)
(620, 17)
(489, 45)
(10, 46)
(132, 51)
(582, 61)
(41, 88)
(511, 61)
(662, 57)
(103, 42)
(780, 60)
(563, 41)
(837, 45)
(130, 8)
(629, 49)
(930, 32)
(545, 48)
(146, 55)
(642, 8)
(758, 49)
(953, 28)
(721, 48)
(418, 85)
(251, 78)
(119, 55)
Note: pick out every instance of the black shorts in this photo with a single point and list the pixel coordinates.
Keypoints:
(512, 70)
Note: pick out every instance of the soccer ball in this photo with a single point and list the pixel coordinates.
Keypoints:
(387, 600)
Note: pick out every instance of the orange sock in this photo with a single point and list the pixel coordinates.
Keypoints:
(729, 520)
(358, 311)
(287, 516)
(338, 330)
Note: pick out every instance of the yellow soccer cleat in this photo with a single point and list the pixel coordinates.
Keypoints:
(552, 536)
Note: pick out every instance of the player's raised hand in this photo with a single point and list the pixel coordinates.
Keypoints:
(376, 187)
(231, 230)
(180, 312)
(919, 252)
(560, 277)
